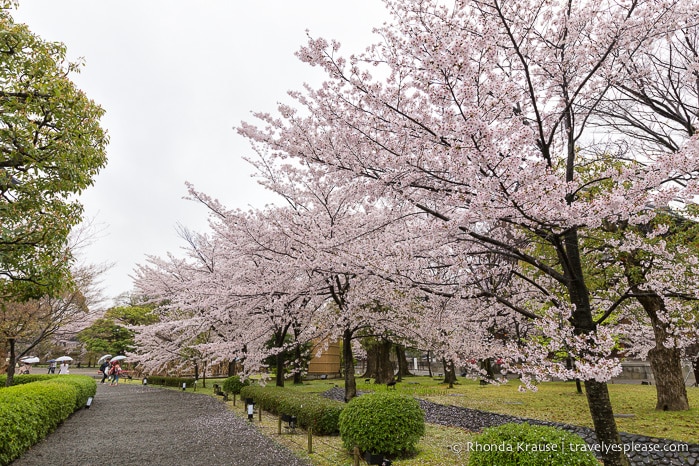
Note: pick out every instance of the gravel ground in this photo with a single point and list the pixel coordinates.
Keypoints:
(137, 425)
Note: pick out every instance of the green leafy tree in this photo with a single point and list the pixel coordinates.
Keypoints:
(106, 336)
(132, 315)
(51, 148)
(111, 334)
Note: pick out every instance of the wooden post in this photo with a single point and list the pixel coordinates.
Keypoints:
(310, 440)
(279, 425)
(355, 456)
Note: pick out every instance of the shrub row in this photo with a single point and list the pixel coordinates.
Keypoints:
(320, 414)
(30, 411)
(170, 381)
(21, 379)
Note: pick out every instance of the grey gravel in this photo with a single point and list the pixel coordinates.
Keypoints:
(138, 425)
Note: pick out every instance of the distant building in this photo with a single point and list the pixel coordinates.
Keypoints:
(327, 364)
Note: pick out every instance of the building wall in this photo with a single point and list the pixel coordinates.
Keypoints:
(328, 363)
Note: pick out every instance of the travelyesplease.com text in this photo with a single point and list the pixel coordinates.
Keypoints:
(601, 448)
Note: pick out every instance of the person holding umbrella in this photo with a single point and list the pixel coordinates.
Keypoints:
(114, 371)
(27, 362)
(52, 366)
(105, 370)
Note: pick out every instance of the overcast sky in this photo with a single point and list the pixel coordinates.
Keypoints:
(175, 77)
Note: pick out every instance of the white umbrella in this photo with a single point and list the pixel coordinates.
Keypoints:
(106, 357)
(30, 359)
(118, 358)
(64, 358)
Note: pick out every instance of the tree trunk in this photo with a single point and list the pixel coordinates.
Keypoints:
(570, 364)
(298, 379)
(231, 368)
(597, 392)
(664, 362)
(371, 362)
(605, 425)
(384, 367)
(10, 380)
(279, 360)
(669, 383)
(281, 356)
(429, 364)
(449, 372)
(487, 366)
(348, 365)
(403, 368)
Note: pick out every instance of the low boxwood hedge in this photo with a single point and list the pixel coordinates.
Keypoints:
(30, 411)
(314, 411)
(21, 379)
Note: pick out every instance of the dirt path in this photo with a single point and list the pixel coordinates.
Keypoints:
(132, 424)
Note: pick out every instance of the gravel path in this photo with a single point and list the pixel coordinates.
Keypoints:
(137, 425)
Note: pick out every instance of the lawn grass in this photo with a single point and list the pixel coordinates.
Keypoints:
(559, 402)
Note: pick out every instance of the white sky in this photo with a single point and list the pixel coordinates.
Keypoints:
(175, 77)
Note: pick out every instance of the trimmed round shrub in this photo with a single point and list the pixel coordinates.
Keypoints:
(234, 384)
(382, 423)
(525, 444)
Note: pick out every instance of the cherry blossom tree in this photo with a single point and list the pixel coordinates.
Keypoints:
(239, 286)
(482, 116)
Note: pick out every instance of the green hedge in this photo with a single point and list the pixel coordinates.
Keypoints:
(234, 384)
(382, 423)
(30, 411)
(21, 379)
(528, 445)
(170, 381)
(317, 412)
(86, 387)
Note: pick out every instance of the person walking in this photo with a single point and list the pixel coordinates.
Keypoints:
(105, 370)
(114, 373)
(64, 368)
(52, 367)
